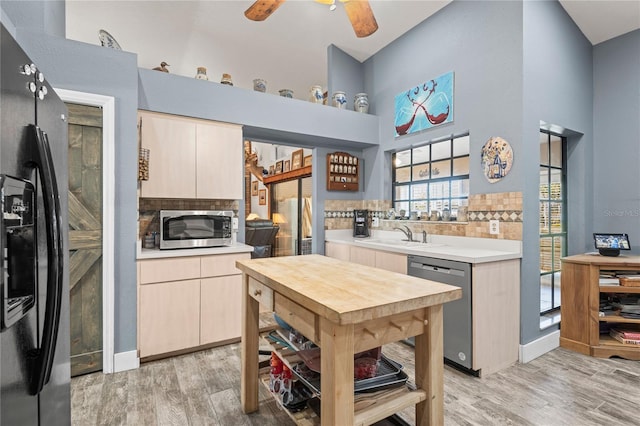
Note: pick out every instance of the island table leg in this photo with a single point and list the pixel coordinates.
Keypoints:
(249, 347)
(429, 353)
(336, 380)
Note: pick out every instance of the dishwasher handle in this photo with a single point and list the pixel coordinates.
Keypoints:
(439, 269)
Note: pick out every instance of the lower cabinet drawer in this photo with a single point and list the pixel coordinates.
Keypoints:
(261, 293)
(221, 264)
(302, 319)
(173, 269)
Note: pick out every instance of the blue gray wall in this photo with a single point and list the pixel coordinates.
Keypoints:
(481, 42)
(616, 130)
(557, 90)
(344, 74)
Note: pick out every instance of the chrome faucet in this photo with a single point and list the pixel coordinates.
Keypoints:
(406, 232)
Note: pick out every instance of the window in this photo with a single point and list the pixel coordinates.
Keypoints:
(553, 223)
(432, 177)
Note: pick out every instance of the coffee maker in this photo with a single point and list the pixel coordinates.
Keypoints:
(361, 223)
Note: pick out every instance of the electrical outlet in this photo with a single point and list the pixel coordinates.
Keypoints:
(494, 227)
(375, 222)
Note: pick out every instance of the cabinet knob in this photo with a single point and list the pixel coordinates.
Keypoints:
(258, 292)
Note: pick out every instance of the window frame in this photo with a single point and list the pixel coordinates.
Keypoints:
(446, 200)
(555, 270)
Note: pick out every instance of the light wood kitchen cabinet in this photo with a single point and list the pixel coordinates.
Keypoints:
(169, 316)
(191, 158)
(172, 145)
(219, 159)
(220, 308)
(337, 251)
(394, 262)
(187, 302)
(363, 256)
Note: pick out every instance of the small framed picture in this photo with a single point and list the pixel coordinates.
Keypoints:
(272, 170)
(279, 167)
(262, 197)
(287, 166)
(307, 161)
(296, 159)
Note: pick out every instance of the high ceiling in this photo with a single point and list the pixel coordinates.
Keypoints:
(289, 48)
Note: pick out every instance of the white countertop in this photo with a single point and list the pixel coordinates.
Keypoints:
(143, 253)
(461, 249)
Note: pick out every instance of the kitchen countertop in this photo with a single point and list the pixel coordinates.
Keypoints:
(461, 249)
(143, 253)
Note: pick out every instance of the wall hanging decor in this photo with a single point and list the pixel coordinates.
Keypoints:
(497, 159)
(424, 106)
(254, 188)
(262, 197)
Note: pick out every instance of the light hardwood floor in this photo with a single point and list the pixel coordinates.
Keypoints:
(203, 388)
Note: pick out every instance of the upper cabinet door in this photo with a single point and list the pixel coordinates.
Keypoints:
(219, 158)
(172, 156)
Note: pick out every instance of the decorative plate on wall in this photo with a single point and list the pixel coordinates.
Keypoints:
(497, 159)
(107, 40)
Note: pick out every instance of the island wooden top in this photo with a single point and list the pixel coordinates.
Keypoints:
(344, 292)
(596, 259)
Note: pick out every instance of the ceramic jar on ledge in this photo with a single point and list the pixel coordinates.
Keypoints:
(339, 100)
(361, 103)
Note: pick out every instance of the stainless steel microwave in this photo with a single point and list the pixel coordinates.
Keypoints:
(195, 228)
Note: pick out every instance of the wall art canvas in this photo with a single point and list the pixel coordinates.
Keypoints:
(425, 106)
(497, 159)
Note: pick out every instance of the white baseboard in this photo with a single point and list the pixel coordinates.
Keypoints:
(123, 361)
(538, 347)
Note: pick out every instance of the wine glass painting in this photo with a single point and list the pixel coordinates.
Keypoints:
(427, 105)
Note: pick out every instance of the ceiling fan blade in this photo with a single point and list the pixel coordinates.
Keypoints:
(361, 16)
(262, 9)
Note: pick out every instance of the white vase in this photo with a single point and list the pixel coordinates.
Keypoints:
(316, 94)
(339, 100)
(361, 103)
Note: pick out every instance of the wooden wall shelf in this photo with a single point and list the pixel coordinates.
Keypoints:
(293, 174)
(343, 172)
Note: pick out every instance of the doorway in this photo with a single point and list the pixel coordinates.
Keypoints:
(85, 237)
(291, 211)
(125, 360)
(279, 191)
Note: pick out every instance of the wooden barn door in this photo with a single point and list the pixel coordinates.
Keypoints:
(85, 237)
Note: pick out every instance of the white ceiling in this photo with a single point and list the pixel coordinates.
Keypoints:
(289, 48)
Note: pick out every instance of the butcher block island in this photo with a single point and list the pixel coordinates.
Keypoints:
(346, 308)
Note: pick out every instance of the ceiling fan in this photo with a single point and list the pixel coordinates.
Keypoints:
(359, 12)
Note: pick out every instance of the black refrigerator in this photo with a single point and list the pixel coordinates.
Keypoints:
(34, 277)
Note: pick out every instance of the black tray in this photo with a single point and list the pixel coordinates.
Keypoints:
(388, 375)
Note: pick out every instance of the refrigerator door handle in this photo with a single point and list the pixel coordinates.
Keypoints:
(55, 260)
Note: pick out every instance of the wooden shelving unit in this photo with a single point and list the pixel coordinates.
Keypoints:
(293, 174)
(581, 290)
(343, 172)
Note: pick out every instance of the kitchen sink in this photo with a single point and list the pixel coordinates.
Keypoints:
(399, 243)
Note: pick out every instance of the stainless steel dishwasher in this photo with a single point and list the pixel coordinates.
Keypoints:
(458, 342)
